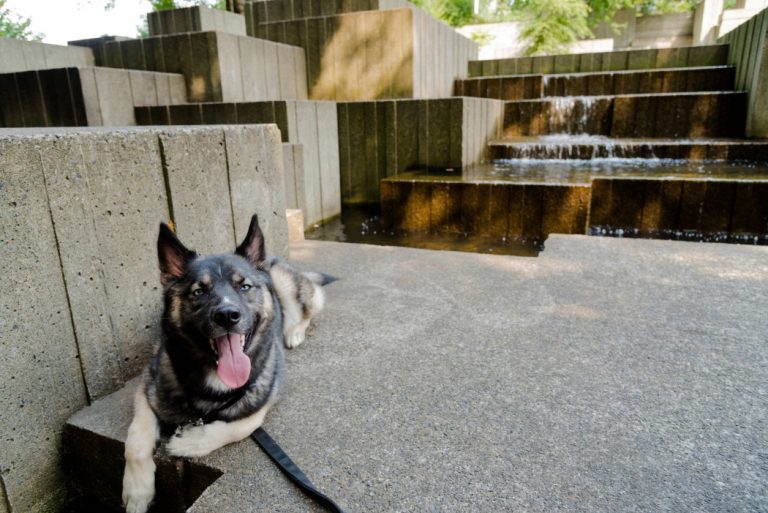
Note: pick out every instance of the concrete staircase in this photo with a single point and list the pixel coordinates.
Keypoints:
(575, 131)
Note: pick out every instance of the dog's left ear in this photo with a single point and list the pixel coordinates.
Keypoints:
(252, 248)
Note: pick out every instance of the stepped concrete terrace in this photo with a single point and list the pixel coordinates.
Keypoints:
(353, 53)
(604, 375)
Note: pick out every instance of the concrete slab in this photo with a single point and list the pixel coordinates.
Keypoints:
(605, 375)
(41, 385)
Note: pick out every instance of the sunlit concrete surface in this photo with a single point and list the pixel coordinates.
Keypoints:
(605, 375)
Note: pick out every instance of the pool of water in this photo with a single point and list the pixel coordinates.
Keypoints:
(582, 171)
(362, 224)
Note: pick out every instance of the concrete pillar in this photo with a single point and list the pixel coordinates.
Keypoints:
(706, 22)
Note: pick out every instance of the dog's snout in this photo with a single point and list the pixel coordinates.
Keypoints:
(227, 317)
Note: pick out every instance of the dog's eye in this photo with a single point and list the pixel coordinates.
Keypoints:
(198, 292)
(246, 286)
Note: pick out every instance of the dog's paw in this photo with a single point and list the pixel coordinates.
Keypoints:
(195, 441)
(138, 485)
(294, 339)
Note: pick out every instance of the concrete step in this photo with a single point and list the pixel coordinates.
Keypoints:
(524, 87)
(720, 114)
(588, 147)
(574, 379)
(85, 96)
(313, 125)
(530, 201)
(687, 56)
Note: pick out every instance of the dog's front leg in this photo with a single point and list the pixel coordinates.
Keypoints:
(194, 441)
(139, 477)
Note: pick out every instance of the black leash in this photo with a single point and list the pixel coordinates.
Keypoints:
(291, 470)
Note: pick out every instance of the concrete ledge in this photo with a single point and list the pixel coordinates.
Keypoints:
(218, 66)
(501, 210)
(604, 375)
(725, 210)
(21, 55)
(713, 114)
(310, 124)
(716, 55)
(386, 138)
(397, 53)
(526, 87)
(83, 96)
(80, 305)
(195, 19)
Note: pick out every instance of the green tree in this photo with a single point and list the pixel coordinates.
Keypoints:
(454, 12)
(13, 26)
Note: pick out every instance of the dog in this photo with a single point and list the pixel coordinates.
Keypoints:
(220, 365)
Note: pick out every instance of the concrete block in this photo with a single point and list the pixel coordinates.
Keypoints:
(41, 384)
(256, 182)
(195, 19)
(11, 113)
(229, 67)
(750, 210)
(445, 207)
(90, 92)
(565, 209)
(31, 99)
(295, 219)
(328, 153)
(114, 92)
(195, 160)
(107, 194)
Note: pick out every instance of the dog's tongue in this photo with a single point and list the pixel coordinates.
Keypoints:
(234, 366)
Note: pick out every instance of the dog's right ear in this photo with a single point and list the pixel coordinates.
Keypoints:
(252, 248)
(172, 254)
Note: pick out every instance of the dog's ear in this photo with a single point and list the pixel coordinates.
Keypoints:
(252, 248)
(173, 255)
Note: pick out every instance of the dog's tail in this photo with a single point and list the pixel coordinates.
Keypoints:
(321, 279)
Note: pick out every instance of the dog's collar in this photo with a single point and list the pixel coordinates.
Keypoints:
(208, 417)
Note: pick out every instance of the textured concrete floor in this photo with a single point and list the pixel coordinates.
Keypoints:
(606, 375)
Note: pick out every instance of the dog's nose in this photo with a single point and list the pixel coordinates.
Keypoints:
(227, 317)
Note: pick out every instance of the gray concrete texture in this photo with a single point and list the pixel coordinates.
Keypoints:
(19, 55)
(83, 96)
(526, 87)
(195, 19)
(385, 138)
(97, 45)
(310, 124)
(684, 56)
(218, 66)
(605, 375)
(396, 53)
(270, 11)
(81, 281)
(747, 52)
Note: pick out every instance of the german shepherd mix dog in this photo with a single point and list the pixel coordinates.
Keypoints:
(220, 364)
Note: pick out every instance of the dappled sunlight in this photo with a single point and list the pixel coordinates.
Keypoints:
(368, 57)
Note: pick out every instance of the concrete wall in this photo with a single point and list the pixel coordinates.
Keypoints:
(18, 55)
(312, 125)
(687, 56)
(386, 138)
(83, 96)
(747, 52)
(218, 66)
(195, 19)
(81, 299)
(397, 53)
(270, 11)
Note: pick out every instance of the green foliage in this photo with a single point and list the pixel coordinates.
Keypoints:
(481, 37)
(15, 27)
(551, 24)
(454, 12)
